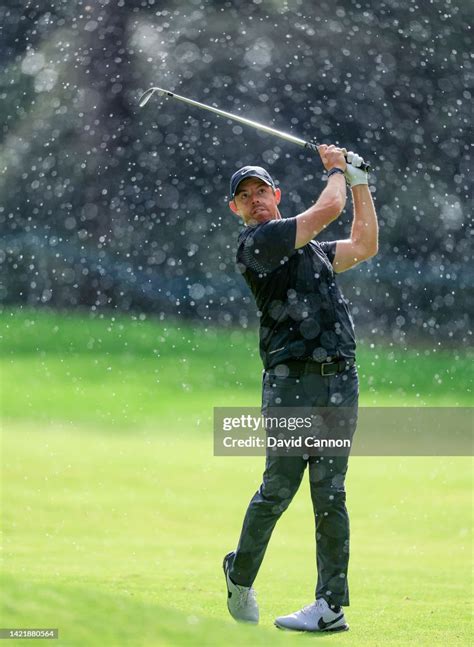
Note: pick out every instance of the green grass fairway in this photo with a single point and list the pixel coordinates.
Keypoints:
(116, 515)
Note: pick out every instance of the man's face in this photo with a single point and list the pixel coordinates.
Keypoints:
(256, 202)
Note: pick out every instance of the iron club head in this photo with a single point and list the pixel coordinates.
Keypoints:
(146, 96)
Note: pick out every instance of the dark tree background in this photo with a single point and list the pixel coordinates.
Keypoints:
(108, 206)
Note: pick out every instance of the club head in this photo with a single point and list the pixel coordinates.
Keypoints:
(145, 98)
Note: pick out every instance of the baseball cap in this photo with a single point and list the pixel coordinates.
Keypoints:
(249, 171)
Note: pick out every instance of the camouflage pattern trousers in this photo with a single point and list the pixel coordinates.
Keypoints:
(282, 478)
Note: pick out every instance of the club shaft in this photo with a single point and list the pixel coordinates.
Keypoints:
(228, 115)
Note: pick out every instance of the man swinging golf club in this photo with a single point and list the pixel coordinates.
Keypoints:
(307, 346)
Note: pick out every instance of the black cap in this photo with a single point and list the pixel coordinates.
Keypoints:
(250, 171)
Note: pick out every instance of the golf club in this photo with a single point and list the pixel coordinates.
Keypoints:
(146, 96)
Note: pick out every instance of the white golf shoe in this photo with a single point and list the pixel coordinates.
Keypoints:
(241, 600)
(317, 616)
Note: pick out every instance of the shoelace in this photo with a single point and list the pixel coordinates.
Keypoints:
(309, 607)
(244, 594)
(314, 606)
(320, 606)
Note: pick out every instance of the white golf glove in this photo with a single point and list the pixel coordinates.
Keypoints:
(353, 174)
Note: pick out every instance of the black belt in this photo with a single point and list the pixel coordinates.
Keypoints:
(303, 367)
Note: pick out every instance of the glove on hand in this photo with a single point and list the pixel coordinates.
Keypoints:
(353, 174)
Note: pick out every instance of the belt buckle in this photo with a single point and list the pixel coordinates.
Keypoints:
(323, 364)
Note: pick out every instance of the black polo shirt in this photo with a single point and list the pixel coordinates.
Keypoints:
(303, 314)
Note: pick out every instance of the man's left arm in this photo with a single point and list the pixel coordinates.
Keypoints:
(363, 243)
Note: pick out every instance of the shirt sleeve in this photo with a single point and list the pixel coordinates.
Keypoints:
(268, 245)
(329, 249)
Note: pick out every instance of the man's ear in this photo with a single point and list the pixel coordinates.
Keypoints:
(233, 207)
(277, 196)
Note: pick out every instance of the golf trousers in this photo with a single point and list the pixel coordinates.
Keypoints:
(282, 477)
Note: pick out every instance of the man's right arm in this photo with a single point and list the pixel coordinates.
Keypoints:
(330, 203)
(326, 209)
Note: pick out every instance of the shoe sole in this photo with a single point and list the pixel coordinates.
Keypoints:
(225, 561)
(315, 631)
(224, 564)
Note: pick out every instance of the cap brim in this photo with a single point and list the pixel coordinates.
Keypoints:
(245, 177)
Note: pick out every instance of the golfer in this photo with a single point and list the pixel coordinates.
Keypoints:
(308, 349)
